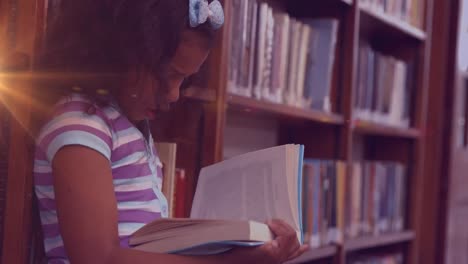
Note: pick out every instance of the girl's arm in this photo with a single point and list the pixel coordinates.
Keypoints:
(87, 213)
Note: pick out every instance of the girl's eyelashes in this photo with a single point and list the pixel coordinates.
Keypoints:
(186, 83)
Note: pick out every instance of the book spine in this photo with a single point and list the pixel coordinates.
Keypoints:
(181, 210)
(304, 44)
(276, 63)
(234, 56)
(308, 193)
(316, 204)
(341, 201)
(261, 43)
(242, 69)
(266, 87)
(325, 217)
(309, 71)
(356, 215)
(332, 231)
(285, 53)
(252, 46)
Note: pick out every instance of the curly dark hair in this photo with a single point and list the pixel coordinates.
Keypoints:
(89, 42)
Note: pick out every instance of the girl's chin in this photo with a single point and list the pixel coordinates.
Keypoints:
(150, 114)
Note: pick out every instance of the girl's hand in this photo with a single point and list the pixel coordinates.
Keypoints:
(285, 247)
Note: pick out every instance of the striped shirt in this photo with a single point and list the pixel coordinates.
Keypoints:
(136, 169)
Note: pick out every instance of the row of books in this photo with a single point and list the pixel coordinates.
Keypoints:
(280, 59)
(396, 258)
(410, 11)
(384, 88)
(369, 202)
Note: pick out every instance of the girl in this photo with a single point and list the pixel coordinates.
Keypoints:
(96, 175)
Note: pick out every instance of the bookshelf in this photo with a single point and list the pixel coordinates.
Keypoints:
(337, 134)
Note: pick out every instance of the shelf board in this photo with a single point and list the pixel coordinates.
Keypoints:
(199, 93)
(377, 241)
(372, 128)
(393, 22)
(315, 254)
(251, 105)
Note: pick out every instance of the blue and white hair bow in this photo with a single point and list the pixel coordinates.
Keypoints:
(200, 12)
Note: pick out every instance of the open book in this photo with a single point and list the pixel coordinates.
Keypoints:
(233, 200)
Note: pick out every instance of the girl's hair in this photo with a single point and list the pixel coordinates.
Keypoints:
(90, 42)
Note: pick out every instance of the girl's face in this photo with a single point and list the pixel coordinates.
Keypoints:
(142, 95)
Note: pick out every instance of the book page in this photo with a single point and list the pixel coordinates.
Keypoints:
(253, 186)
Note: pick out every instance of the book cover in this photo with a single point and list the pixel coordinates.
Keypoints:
(321, 74)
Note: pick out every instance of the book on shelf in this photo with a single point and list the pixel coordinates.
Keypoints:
(181, 189)
(384, 88)
(336, 207)
(385, 258)
(233, 200)
(167, 155)
(409, 11)
(174, 183)
(281, 59)
(321, 57)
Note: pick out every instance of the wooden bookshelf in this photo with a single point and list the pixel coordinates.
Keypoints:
(316, 254)
(357, 23)
(377, 241)
(392, 22)
(251, 106)
(376, 129)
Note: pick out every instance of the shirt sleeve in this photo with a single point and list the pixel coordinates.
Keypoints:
(76, 128)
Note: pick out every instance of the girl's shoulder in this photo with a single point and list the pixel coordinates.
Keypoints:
(77, 120)
(78, 103)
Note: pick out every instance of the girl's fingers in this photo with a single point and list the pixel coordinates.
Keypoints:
(280, 228)
(300, 251)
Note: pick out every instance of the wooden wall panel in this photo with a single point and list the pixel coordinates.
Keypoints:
(23, 16)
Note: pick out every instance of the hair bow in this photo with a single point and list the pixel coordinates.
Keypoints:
(200, 12)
